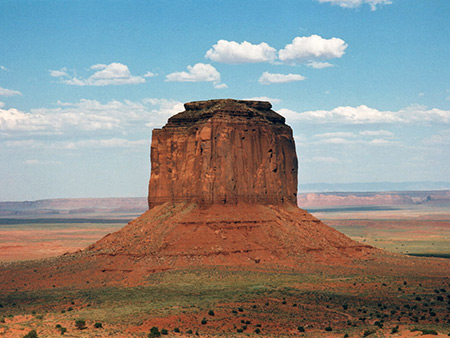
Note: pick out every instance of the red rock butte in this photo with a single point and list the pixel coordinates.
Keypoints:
(222, 192)
(224, 152)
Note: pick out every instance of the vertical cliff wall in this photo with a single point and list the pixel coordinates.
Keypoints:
(224, 152)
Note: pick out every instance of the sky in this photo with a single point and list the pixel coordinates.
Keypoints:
(365, 85)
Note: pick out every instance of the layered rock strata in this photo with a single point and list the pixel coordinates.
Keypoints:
(224, 152)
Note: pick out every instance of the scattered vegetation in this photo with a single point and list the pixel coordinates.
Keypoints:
(80, 324)
(31, 334)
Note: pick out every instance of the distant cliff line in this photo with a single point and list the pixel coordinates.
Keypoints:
(137, 205)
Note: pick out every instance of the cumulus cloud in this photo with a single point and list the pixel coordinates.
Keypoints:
(357, 3)
(199, 72)
(106, 143)
(269, 78)
(9, 92)
(59, 73)
(245, 52)
(310, 48)
(90, 116)
(3, 68)
(385, 133)
(164, 107)
(149, 74)
(220, 86)
(366, 115)
(319, 65)
(113, 74)
(263, 98)
(335, 135)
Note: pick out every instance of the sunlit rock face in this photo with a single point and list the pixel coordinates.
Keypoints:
(224, 152)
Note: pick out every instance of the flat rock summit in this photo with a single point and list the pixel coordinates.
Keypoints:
(222, 192)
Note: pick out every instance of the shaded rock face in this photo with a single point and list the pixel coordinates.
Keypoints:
(224, 152)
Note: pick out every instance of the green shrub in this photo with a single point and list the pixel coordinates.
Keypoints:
(368, 333)
(31, 334)
(240, 309)
(257, 331)
(204, 321)
(98, 325)
(211, 312)
(394, 329)
(164, 332)
(177, 330)
(154, 332)
(428, 331)
(80, 324)
(189, 331)
(328, 328)
(346, 335)
(301, 329)
(58, 326)
(62, 330)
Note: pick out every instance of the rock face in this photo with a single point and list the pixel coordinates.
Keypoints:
(224, 152)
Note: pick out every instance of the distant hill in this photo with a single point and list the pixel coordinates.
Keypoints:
(390, 198)
(374, 186)
(71, 207)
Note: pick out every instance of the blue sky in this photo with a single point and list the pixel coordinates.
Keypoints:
(365, 85)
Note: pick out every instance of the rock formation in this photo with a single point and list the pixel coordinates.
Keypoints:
(224, 151)
(222, 192)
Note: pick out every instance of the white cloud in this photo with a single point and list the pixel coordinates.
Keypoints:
(263, 98)
(107, 143)
(220, 86)
(335, 134)
(59, 73)
(164, 107)
(149, 74)
(199, 72)
(245, 52)
(319, 65)
(269, 78)
(356, 3)
(90, 116)
(376, 133)
(304, 49)
(366, 115)
(3, 68)
(353, 115)
(9, 92)
(113, 74)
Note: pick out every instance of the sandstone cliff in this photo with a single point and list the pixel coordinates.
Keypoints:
(224, 151)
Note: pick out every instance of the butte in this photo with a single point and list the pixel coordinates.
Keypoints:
(222, 193)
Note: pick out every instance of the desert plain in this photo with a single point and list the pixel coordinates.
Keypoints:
(407, 297)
